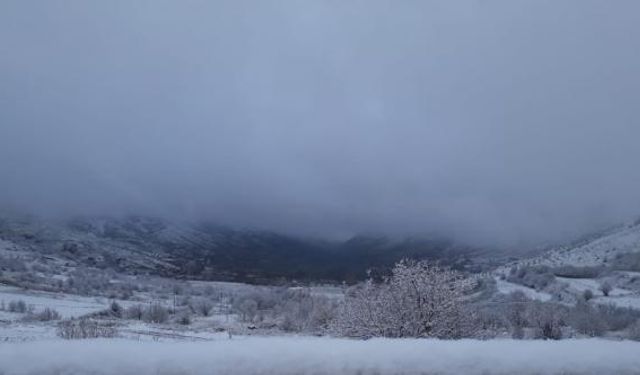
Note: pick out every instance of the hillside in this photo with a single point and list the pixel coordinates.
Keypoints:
(595, 250)
(152, 246)
(603, 268)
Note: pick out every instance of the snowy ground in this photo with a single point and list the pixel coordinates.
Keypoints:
(580, 285)
(297, 355)
(67, 305)
(618, 296)
(506, 287)
(596, 252)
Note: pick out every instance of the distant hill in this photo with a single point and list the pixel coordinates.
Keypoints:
(145, 245)
(599, 249)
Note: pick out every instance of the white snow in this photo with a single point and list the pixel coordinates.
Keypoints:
(580, 285)
(618, 296)
(506, 287)
(67, 305)
(297, 355)
(632, 301)
(594, 253)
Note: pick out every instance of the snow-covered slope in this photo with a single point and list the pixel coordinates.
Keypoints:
(584, 266)
(201, 250)
(596, 251)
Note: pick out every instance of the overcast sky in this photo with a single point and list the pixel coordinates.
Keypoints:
(493, 121)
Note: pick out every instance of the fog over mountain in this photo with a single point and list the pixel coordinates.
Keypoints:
(494, 122)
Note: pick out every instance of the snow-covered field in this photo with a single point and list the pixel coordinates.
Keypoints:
(506, 287)
(625, 239)
(617, 296)
(304, 355)
(68, 306)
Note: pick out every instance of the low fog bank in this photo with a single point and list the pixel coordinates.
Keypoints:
(502, 122)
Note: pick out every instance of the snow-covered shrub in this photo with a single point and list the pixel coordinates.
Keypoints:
(13, 264)
(605, 288)
(578, 272)
(627, 262)
(300, 311)
(134, 312)
(517, 316)
(587, 320)
(490, 322)
(547, 319)
(88, 282)
(155, 313)
(84, 329)
(634, 331)
(616, 317)
(417, 300)
(587, 294)
(18, 306)
(45, 315)
(536, 277)
(290, 309)
(596, 320)
(201, 306)
(116, 310)
(184, 319)
(247, 308)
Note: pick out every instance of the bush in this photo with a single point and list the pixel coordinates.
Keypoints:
(45, 315)
(538, 277)
(184, 320)
(84, 329)
(596, 320)
(303, 312)
(516, 315)
(547, 320)
(115, 310)
(587, 294)
(134, 312)
(587, 320)
(201, 306)
(605, 288)
(634, 331)
(247, 308)
(577, 272)
(18, 306)
(155, 313)
(617, 318)
(417, 300)
(627, 262)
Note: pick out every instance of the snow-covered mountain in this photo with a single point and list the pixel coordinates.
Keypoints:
(592, 251)
(144, 245)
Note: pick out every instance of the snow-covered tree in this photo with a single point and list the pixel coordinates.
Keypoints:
(605, 288)
(417, 300)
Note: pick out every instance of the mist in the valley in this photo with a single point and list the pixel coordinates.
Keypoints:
(496, 122)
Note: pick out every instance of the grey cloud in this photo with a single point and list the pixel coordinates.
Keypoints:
(495, 121)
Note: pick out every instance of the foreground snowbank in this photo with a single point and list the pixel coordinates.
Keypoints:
(320, 356)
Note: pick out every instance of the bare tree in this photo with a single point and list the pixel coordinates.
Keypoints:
(84, 329)
(155, 313)
(45, 315)
(417, 300)
(634, 331)
(201, 306)
(605, 288)
(134, 312)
